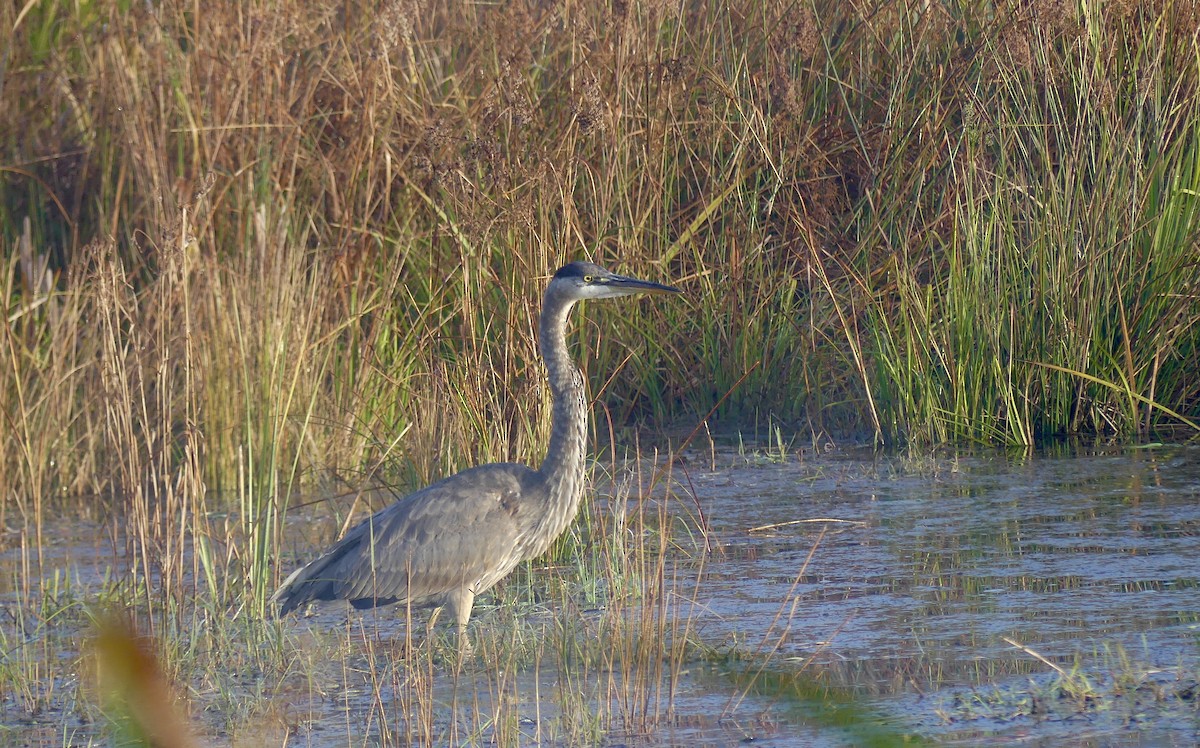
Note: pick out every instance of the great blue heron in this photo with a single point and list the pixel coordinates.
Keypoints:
(454, 539)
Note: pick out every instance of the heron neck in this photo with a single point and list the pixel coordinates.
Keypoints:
(563, 466)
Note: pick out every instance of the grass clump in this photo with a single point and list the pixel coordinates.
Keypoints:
(1060, 276)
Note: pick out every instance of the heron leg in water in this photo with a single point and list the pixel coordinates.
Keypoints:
(460, 602)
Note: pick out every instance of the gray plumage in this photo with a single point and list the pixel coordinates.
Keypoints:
(456, 538)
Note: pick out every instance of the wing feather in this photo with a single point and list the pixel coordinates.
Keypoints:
(461, 532)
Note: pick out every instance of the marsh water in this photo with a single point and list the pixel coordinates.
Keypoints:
(938, 584)
(985, 599)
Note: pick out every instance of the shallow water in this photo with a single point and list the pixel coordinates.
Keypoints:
(940, 565)
(951, 598)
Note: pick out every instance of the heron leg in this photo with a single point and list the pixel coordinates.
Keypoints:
(460, 602)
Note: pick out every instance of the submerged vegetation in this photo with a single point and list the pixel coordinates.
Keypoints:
(256, 251)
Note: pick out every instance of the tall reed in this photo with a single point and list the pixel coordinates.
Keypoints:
(1057, 283)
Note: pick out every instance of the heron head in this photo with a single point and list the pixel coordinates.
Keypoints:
(587, 280)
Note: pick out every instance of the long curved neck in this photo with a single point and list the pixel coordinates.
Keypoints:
(563, 467)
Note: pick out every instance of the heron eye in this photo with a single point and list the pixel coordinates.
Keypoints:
(588, 278)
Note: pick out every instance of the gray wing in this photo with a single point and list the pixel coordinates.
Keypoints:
(463, 531)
